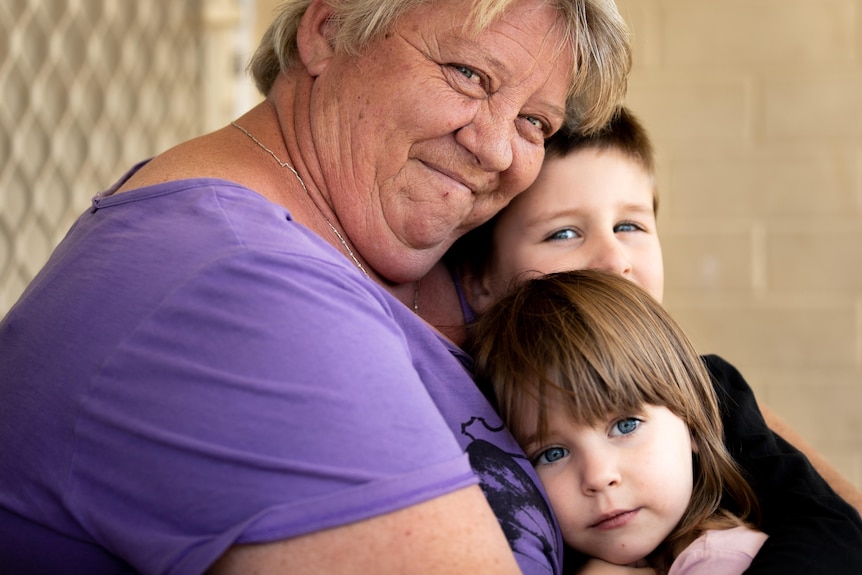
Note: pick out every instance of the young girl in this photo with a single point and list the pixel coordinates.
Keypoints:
(616, 411)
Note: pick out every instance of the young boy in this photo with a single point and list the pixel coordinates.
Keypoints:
(593, 206)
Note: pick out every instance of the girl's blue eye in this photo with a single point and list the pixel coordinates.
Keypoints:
(550, 455)
(626, 426)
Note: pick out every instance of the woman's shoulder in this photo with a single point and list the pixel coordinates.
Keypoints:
(213, 156)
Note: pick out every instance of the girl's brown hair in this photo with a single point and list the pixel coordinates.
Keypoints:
(608, 347)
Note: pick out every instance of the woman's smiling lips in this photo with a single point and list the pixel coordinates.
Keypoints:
(614, 519)
(475, 188)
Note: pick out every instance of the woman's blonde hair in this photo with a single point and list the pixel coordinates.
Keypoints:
(607, 347)
(596, 32)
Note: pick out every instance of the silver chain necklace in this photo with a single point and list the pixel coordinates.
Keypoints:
(301, 183)
(329, 223)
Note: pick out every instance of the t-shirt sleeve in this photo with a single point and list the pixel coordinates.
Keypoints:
(811, 529)
(264, 398)
(719, 552)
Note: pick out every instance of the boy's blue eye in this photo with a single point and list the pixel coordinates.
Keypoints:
(567, 234)
(551, 455)
(627, 227)
(626, 426)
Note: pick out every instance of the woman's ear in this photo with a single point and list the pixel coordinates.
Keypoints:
(315, 37)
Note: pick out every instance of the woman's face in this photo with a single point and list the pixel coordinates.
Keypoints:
(431, 131)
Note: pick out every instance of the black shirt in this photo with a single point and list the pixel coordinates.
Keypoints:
(812, 530)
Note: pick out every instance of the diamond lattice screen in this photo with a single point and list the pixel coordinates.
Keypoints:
(87, 88)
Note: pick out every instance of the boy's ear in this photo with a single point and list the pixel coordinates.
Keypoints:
(477, 290)
(315, 37)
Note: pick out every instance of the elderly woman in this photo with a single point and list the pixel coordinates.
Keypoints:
(214, 370)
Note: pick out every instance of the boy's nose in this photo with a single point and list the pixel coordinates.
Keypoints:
(608, 255)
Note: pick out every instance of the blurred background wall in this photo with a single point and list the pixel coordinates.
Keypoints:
(90, 87)
(754, 107)
(752, 104)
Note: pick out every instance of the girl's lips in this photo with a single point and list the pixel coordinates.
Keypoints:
(614, 519)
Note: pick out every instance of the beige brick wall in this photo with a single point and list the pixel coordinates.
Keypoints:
(755, 107)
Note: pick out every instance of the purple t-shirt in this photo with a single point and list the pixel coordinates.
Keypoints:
(192, 369)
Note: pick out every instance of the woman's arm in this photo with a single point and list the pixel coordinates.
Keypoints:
(455, 533)
(595, 566)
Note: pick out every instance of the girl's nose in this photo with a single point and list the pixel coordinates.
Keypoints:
(598, 472)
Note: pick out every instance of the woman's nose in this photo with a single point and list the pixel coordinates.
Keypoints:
(489, 137)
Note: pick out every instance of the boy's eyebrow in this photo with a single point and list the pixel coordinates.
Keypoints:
(639, 207)
(631, 207)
